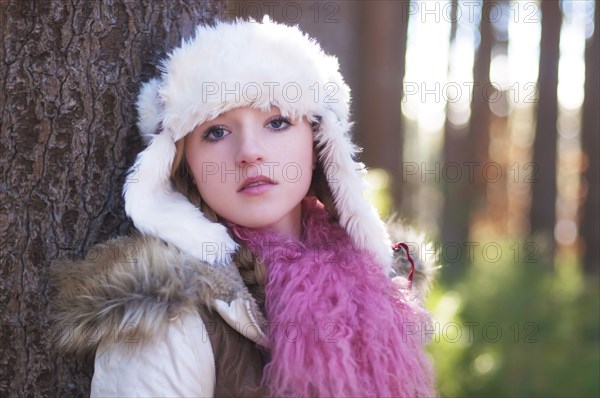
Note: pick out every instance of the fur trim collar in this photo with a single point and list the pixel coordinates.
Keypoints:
(131, 286)
(338, 325)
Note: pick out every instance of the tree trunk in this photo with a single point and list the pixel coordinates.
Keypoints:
(590, 141)
(455, 218)
(543, 190)
(70, 74)
(453, 19)
(384, 26)
(478, 137)
(469, 151)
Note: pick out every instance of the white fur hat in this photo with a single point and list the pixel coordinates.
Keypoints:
(230, 65)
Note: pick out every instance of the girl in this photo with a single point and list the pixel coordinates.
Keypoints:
(259, 269)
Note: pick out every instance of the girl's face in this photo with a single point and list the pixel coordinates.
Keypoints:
(253, 168)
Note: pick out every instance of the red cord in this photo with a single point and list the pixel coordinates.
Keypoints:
(396, 248)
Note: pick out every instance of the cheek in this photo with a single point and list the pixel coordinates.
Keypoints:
(309, 154)
(214, 192)
(204, 164)
(210, 179)
(303, 156)
(301, 147)
(198, 168)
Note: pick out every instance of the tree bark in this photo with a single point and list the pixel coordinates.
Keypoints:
(543, 190)
(69, 78)
(590, 142)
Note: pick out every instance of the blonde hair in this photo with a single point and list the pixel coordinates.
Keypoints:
(251, 267)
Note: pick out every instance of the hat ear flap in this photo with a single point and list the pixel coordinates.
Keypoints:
(346, 182)
(156, 209)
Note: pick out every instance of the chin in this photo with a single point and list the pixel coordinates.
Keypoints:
(256, 224)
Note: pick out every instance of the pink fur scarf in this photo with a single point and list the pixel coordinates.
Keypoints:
(338, 327)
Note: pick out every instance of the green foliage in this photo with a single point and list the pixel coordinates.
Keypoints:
(516, 329)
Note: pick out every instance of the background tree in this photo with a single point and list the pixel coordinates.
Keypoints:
(455, 212)
(543, 189)
(590, 137)
(469, 148)
(69, 77)
(383, 27)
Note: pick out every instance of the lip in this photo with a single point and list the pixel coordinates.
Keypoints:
(256, 185)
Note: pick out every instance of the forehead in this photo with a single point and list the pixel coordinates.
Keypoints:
(247, 111)
(250, 113)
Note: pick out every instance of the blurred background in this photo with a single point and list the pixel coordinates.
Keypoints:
(479, 123)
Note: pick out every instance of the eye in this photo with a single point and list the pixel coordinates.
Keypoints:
(215, 133)
(279, 123)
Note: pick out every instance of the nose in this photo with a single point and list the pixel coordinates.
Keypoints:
(250, 148)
